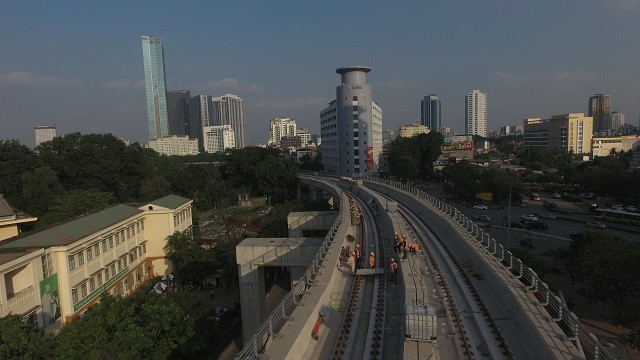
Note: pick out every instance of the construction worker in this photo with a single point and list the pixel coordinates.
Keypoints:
(358, 255)
(372, 260)
(352, 263)
(393, 268)
(396, 243)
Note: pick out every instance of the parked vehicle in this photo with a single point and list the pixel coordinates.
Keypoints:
(631, 208)
(549, 216)
(480, 207)
(514, 224)
(528, 243)
(529, 217)
(535, 224)
(596, 225)
(482, 217)
(556, 196)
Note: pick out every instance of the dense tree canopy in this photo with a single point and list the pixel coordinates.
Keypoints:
(608, 267)
(423, 149)
(76, 174)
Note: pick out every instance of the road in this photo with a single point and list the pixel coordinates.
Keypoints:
(559, 229)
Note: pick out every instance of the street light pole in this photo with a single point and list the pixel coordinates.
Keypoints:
(509, 222)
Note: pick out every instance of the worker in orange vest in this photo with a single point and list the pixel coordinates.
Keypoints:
(372, 260)
(352, 263)
(393, 268)
(358, 255)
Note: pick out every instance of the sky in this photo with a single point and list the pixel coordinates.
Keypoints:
(78, 64)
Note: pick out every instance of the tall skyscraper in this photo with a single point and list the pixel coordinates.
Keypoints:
(229, 110)
(351, 126)
(475, 113)
(430, 115)
(600, 111)
(178, 112)
(155, 83)
(617, 120)
(45, 133)
(200, 110)
(280, 127)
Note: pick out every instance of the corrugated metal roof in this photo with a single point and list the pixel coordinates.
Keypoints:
(73, 230)
(170, 201)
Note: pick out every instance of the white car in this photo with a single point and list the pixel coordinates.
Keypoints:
(556, 196)
(529, 217)
(548, 216)
(480, 207)
(631, 208)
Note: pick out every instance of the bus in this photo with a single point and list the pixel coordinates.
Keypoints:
(618, 216)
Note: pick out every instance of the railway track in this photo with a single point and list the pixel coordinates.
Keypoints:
(366, 305)
(476, 332)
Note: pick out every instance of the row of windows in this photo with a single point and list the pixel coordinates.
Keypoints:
(93, 250)
(109, 271)
(181, 216)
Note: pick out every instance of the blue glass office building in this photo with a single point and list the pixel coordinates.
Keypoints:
(155, 82)
(430, 112)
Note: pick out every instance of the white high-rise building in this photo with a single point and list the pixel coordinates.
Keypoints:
(475, 113)
(229, 110)
(617, 120)
(45, 133)
(351, 126)
(305, 136)
(218, 138)
(280, 127)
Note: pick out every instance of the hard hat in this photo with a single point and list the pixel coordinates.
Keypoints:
(372, 254)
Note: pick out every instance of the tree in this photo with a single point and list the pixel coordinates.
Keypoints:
(277, 177)
(23, 341)
(15, 160)
(73, 203)
(39, 188)
(404, 168)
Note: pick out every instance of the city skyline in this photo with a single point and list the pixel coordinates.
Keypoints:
(91, 79)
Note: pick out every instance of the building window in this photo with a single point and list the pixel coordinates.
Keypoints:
(142, 224)
(96, 249)
(92, 284)
(83, 290)
(126, 284)
(113, 269)
(111, 242)
(72, 262)
(104, 245)
(117, 239)
(106, 273)
(47, 265)
(80, 258)
(128, 233)
(74, 295)
(144, 248)
(89, 254)
(355, 98)
(99, 278)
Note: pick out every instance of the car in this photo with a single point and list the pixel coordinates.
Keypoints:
(528, 243)
(535, 197)
(549, 216)
(523, 204)
(514, 224)
(529, 217)
(561, 211)
(617, 207)
(535, 225)
(480, 207)
(631, 208)
(219, 311)
(556, 196)
(482, 217)
(596, 225)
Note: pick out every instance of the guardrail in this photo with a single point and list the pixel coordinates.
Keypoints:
(585, 341)
(282, 312)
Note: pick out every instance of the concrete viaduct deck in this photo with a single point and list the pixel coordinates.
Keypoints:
(533, 320)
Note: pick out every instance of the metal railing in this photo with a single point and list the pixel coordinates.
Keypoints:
(252, 349)
(585, 341)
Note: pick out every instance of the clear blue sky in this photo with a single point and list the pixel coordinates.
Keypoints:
(79, 64)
